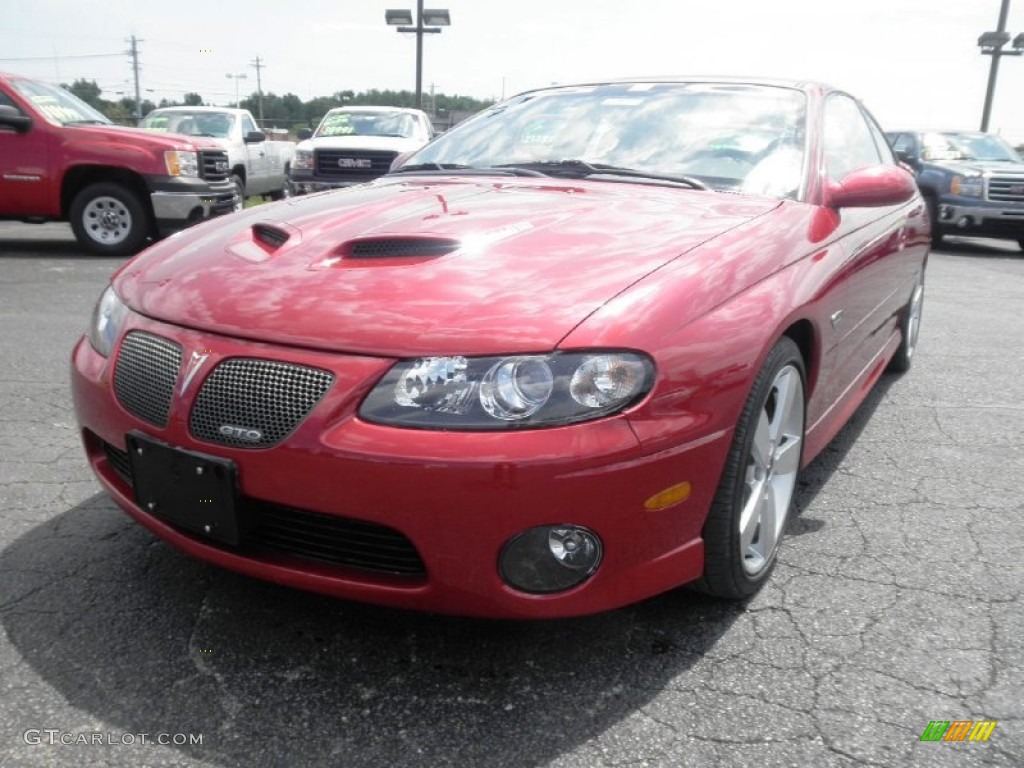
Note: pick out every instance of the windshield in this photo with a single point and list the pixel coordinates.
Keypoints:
(742, 138)
(215, 124)
(980, 146)
(58, 105)
(367, 124)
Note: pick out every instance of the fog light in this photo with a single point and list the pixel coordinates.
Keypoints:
(550, 558)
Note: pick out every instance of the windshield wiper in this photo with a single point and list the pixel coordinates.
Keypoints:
(442, 169)
(582, 169)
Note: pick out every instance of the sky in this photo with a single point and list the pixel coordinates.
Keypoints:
(914, 63)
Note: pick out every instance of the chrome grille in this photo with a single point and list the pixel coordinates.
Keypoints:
(1006, 189)
(147, 367)
(331, 163)
(214, 165)
(255, 396)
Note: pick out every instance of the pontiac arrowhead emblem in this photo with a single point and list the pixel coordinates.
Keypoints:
(191, 370)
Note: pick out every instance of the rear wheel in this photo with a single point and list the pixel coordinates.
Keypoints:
(910, 326)
(752, 504)
(109, 220)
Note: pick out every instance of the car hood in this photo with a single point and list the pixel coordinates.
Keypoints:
(386, 143)
(142, 138)
(982, 166)
(533, 259)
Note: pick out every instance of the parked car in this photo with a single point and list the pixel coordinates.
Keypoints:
(61, 160)
(972, 182)
(572, 354)
(353, 145)
(259, 165)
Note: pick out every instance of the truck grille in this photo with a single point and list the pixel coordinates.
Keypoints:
(214, 165)
(352, 164)
(147, 367)
(1006, 189)
(262, 400)
(311, 535)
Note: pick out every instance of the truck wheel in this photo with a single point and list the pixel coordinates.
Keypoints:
(933, 214)
(240, 189)
(109, 220)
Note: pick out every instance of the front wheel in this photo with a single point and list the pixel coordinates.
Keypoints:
(753, 501)
(239, 190)
(910, 326)
(933, 214)
(109, 220)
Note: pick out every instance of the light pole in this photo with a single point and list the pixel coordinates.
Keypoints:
(236, 78)
(991, 44)
(427, 22)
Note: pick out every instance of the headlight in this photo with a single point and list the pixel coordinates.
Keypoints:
(303, 160)
(968, 186)
(107, 319)
(490, 393)
(180, 163)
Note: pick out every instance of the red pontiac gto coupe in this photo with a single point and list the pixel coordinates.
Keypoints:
(573, 353)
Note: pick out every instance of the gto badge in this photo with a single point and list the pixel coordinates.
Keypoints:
(354, 162)
(241, 433)
(194, 364)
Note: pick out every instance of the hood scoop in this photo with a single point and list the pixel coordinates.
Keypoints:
(270, 236)
(398, 247)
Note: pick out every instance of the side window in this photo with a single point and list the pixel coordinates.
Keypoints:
(248, 126)
(904, 143)
(849, 142)
(7, 101)
(884, 150)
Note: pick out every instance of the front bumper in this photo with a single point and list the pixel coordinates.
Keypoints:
(980, 218)
(305, 182)
(457, 497)
(181, 202)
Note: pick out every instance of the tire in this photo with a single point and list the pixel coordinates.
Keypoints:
(933, 214)
(751, 507)
(910, 326)
(1021, 243)
(109, 219)
(240, 189)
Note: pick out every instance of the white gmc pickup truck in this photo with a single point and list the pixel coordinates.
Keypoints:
(259, 166)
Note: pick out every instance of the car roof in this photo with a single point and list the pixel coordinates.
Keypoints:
(801, 85)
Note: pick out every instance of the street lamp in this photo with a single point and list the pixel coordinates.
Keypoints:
(992, 44)
(236, 78)
(428, 21)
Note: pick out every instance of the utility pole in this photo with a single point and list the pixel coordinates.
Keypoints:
(134, 53)
(259, 86)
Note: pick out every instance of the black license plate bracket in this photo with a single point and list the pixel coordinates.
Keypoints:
(189, 489)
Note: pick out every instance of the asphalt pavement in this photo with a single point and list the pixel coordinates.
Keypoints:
(897, 600)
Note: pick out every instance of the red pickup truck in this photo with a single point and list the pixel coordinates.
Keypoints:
(61, 160)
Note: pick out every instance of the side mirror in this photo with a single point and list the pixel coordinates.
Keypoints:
(904, 156)
(255, 137)
(304, 133)
(875, 186)
(12, 118)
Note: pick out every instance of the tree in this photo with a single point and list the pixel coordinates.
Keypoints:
(88, 91)
(193, 100)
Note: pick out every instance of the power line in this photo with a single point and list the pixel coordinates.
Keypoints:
(81, 56)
